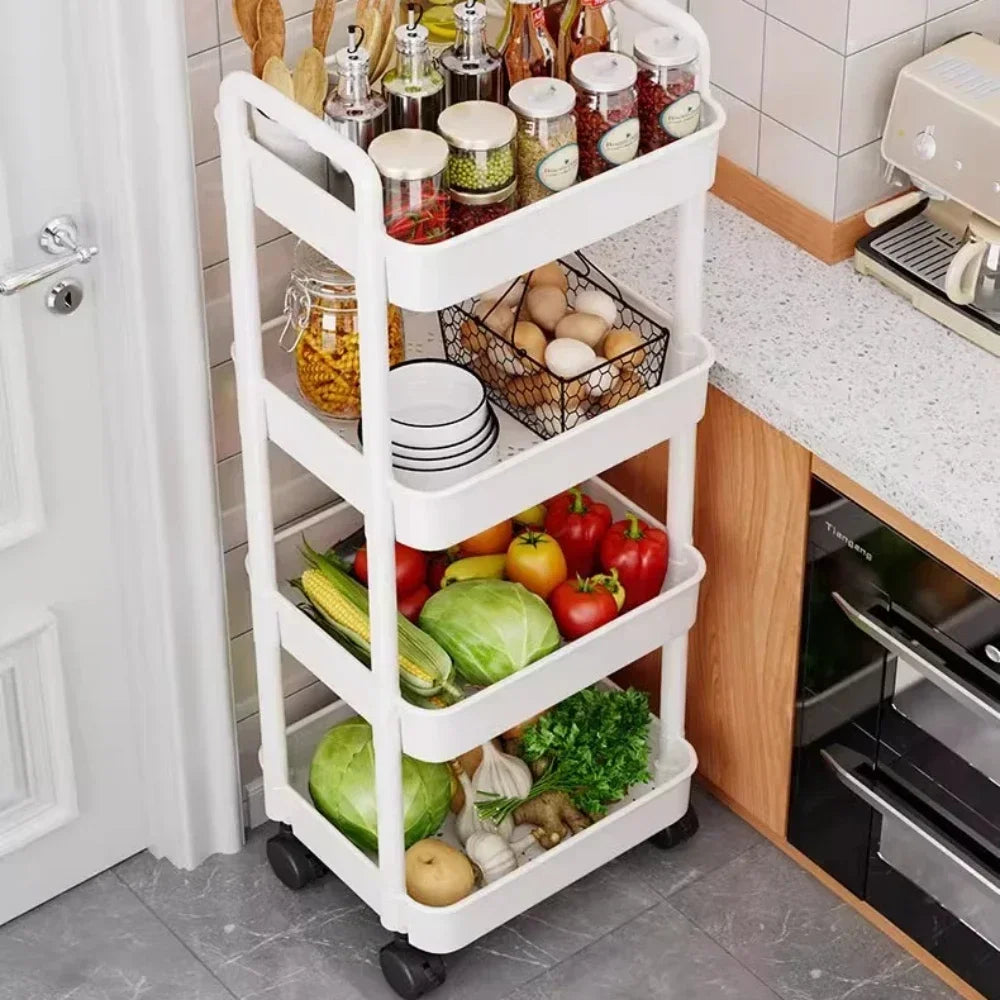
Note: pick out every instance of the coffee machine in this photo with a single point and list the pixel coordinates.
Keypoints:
(939, 244)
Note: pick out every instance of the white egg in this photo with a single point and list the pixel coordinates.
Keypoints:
(568, 358)
(597, 303)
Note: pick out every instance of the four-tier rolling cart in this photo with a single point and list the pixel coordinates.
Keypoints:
(424, 279)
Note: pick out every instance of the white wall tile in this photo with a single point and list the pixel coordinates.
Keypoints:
(873, 21)
(200, 25)
(204, 77)
(738, 141)
(860, 181)
(869, 81)
(982, 16)
(735, 31)
(274, 263)
(803, 83)
(938, 8)
(800, 168)
(825, 21)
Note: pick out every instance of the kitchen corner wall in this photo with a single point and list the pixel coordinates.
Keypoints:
(806, 85)
(214, 49)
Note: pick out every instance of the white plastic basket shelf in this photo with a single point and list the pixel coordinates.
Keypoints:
(442, 734)
(644, 811)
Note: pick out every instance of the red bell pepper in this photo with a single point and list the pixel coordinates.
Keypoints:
(578, 524)
(640, 554)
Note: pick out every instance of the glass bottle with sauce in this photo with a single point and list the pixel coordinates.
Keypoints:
(414, 88)
(529, 49)
(472, 70)
(586, 26)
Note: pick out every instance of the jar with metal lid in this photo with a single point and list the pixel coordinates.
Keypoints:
(321, 329)
(414, 87)
(669, 104)
(471, 210)
(412, 164)
(472, 69)
(548, 157)
(607, 108)
(480, 136)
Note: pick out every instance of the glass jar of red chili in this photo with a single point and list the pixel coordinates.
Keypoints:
(669, 105)
(469, 210)
(607, 123)
(412, 164)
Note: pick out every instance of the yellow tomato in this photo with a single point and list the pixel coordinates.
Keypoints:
(535, 560)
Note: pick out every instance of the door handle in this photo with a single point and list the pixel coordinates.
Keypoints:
(60, 237)
(982, 705)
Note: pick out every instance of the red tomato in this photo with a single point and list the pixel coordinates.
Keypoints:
(579, 606)
(436, 566)
(411, 605)
(640, 554)
(411, 568)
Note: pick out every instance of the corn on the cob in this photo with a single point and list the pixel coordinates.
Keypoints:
(424, 667)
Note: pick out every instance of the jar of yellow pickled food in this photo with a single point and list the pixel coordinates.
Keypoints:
(321, 322)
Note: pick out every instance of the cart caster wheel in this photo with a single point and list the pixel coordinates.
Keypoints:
(294, 864)
(684, 829)
(410, 972)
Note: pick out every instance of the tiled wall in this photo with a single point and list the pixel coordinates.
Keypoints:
(806, 85)
(215, 48)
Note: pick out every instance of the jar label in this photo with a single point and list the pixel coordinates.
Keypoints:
(558, 170)
(621, 142)
(682, 117)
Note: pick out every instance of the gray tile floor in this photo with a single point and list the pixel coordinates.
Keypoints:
(725, 915)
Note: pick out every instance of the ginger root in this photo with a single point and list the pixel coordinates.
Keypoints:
(553, 816)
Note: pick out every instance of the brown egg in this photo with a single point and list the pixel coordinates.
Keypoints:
(549, 274)
(546, 305)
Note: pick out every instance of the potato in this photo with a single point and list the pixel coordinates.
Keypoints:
(588, 329)
(546, 306)
(549, 274)
(529, 338)
(438, 874)
(619, 342)
(498, 317)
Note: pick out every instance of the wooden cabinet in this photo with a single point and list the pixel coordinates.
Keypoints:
(751, 513)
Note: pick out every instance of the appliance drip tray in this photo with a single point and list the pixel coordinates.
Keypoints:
(911, 254)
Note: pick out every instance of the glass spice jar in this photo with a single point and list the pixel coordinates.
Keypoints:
(586, 26)
(607, 105)
(472, 70)
(669, 105)
(480, 137)
(471, 210)
(412, 164)
(414, 88)
(529, 50)
(321, 310)
(548, 157)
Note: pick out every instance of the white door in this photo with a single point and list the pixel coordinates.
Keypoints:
(71, 795)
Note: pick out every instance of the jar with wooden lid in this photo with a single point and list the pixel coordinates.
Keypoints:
(321, 330)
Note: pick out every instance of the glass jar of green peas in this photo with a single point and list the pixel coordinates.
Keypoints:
(480, 137)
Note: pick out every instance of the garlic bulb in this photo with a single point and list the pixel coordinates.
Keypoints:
(468, 821)
(492, 854)
(503, 775)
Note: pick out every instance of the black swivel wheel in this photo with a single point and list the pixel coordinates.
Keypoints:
(411, 973)
(684, 829)
(294, 864)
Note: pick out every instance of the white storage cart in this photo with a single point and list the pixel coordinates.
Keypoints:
(423, 279)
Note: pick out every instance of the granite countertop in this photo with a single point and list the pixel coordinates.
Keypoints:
(895, 401)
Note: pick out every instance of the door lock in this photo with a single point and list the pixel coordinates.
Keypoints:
(64, 296)
(60, 237)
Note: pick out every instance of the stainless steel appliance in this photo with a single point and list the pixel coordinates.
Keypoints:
(896, 772)
(942, 136)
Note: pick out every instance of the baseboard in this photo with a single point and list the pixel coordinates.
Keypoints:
(253, 804)
(886, 926)
(830, 241)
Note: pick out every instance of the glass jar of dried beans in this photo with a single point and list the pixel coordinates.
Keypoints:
(412, 164)
(669, 105)
(470, 210)
(607, 123)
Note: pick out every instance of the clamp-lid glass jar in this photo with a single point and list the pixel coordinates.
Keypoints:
(669, 105)
(548, 157)
(480, 136)
(321, 312)
(412, 164)
(607, 107)
(471, 210)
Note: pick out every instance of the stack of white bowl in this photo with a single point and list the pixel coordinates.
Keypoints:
(443, 427)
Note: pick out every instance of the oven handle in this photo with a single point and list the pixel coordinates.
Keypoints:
(962, 693)
(844, 762)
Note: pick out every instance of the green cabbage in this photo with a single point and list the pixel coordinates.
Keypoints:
(490, 628)
(342, 785)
